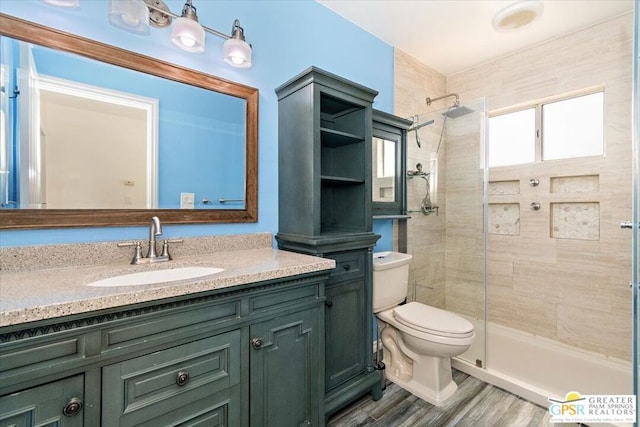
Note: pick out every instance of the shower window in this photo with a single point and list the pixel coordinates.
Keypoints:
(564, 128)
(573, 127)
(512, 138)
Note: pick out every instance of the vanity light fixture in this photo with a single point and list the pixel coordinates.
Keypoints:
(236, 50)
(130, 15)
(64, 3)
(186, 32)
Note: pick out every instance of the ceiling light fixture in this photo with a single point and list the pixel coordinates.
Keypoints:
(186, 31)
(517, 15)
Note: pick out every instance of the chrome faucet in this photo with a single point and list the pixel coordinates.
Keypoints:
(155, 229)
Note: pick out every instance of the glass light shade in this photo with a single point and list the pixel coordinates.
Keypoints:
(237, 53)
(130, 15)
(64, 3)
(188, 35)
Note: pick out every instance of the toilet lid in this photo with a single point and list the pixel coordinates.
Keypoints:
(432, 320)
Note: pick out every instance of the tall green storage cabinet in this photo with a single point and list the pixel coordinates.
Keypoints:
(324, 164)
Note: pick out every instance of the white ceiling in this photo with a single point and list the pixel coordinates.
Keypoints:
(453, 35)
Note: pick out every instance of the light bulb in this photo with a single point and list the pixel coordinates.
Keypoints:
(129, 15)
(188, 35)
(236, 51)
(130, 20)
(189, 42)
(237, 60)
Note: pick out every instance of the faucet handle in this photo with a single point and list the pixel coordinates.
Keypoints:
(138, 251)
(165, 246)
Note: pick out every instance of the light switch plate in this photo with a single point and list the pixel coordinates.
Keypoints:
(187, 200)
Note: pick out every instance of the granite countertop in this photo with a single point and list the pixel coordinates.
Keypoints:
(32, 295)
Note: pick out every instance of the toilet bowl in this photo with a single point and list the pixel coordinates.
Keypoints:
(418, 340)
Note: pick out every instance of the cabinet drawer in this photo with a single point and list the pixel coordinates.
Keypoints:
(272, 301)
(202, 376)
(166, 327)
(349, 265)
(21, 361)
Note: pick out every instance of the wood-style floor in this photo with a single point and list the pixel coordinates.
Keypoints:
(475, 404)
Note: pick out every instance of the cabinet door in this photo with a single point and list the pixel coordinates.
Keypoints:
(345, 322)
(54, 404)
(194, 384)
(284, 382)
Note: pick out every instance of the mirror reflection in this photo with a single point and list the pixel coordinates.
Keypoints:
(83, 134)
(384, 170)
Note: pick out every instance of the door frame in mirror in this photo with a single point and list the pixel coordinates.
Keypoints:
(42, 218)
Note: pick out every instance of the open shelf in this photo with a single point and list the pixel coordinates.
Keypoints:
(336, 138)
(340, 180)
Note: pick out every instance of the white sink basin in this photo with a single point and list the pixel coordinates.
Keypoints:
(157, 276)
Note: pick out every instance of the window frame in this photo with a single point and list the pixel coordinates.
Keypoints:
(537, 106)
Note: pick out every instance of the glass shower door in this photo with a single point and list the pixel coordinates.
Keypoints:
(446, 201)
(635, 221)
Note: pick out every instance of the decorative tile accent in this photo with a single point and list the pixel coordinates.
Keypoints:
(579, 220)
(575, 184)
(504, 187)
(504, 218)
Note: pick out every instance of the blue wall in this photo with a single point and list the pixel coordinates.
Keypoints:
(287, 37)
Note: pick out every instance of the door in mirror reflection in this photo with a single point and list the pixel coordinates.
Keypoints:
(384, 170)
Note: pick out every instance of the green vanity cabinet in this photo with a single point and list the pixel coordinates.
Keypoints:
(346, 317)
(53, 404)
(324, 167)
(285, 369)
(242, 356)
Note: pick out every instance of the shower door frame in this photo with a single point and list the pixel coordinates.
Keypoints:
(635, 212)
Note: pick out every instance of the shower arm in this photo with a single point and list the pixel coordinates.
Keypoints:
(456, 103)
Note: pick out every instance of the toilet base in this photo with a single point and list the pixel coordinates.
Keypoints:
(426, 376)
(424, 393)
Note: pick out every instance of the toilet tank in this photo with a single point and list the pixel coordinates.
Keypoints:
(390, 279)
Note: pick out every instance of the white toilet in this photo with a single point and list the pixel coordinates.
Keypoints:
(418, 341)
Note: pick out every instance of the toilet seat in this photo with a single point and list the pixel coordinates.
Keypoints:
(431, 320)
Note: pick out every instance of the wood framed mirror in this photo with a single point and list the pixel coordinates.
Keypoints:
(27, 218)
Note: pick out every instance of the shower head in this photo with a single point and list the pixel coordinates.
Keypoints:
(457, 111)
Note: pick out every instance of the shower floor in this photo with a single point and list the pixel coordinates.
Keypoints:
(537, 368)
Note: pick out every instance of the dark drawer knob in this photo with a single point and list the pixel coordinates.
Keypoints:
(182, 378)
(257, 343)
(329, 304)
(72, 407)
(347, 267)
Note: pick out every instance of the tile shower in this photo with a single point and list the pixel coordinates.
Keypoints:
(558, 273)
